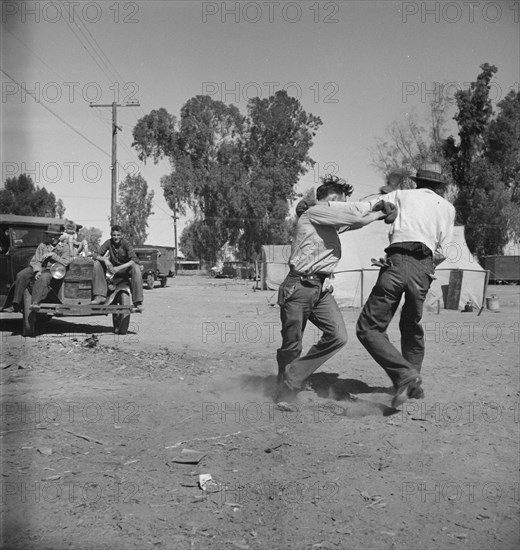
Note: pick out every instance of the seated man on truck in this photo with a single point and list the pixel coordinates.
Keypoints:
(117, 257)
(38, 270)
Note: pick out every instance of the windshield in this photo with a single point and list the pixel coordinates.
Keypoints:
(27, 236)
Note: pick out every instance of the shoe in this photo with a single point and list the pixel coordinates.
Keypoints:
(284, 393)
(416, 393)
(98, 300)
(402, 392)
(11, 309)
(35, 307)
(139, 307)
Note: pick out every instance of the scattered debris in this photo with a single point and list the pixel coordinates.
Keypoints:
(91, 342)
(85, 437)
(287, 407)
(45, 450)
(189, 456)
(208, 484)
(274, 447)
(52, 478)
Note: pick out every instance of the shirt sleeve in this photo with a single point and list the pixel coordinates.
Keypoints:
(347, 216)
(103, 248)
(130, 253)
(37, 259)
(362, 207)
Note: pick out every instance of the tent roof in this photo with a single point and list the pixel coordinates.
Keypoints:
(360, 246)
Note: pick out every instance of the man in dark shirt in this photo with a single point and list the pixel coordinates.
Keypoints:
(117, 257)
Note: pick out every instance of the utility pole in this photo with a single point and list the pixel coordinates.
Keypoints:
(175, 238)
(115, 128)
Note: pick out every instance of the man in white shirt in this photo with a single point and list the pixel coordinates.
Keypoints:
(421, 231)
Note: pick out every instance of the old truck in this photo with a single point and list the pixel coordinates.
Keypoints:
(71, 289)
(156, 265)
(503, 269)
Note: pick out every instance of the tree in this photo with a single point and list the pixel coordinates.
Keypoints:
(280, 135)
(484, 207)
(193, 240)
(503, 143)
(154, 135)
(21, 197)
(134, 207)
(237, 173)
(482, 165)
(60, 208)
(485, 166)
(409, 143)
(93, 237)
(473, 116)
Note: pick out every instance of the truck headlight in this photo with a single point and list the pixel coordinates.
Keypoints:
(58, 271)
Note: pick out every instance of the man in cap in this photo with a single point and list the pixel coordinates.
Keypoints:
(38, 271)
(117, 256)
(306, 295)
(423, 227)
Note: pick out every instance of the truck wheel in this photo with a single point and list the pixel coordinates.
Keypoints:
(121, 321)
(150, 281)
(29, 317)
(163, 282)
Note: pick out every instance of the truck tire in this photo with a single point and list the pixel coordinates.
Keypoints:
(121, 321)
(150, 281)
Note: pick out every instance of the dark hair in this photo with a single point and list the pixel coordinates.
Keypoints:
(116, 228)
(331, 184)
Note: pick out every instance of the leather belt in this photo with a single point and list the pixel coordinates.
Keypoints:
(416, 249)
(310, 276)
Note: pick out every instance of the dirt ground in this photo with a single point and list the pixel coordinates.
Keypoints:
(105, 438)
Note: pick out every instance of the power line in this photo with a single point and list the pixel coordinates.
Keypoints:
(109, 68)
(104, 70)
(35, 54)
(22, 86)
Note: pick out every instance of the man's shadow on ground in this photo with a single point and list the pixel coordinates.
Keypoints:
(328, 385)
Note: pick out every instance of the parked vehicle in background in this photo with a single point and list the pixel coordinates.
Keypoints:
(155, 266)
(234, 270)
(503, 269)
(216, 270)
(71, 289)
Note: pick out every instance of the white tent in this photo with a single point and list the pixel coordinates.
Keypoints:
(355, 276)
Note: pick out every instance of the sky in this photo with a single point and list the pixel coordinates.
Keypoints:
(358, 65)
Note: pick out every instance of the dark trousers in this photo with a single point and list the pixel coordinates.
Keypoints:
(410, 275)
(41, 287)
(302, 301)
(23, 278)
(132, 273)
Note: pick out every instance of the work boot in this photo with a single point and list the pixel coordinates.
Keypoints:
(284, 393)
(402, 392)
(416, 393)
